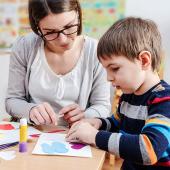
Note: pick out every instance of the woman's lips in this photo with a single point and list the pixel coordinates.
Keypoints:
(64, 45)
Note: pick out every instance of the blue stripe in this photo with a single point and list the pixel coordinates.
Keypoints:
(165, 130)
(154, 124)
(159, 141)
(115, 121)
(123, 132)
(165, 154)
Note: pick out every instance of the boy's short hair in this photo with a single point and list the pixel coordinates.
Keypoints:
(130, 36)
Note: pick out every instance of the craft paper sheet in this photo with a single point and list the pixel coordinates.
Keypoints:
(55, 144)
(10, 133)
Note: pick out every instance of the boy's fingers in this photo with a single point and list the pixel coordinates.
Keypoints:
(72, 138)
(72, 130)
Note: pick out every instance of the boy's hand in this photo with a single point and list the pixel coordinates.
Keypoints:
(82, 132)
(72, 113)
(95, 122)
(43, 114)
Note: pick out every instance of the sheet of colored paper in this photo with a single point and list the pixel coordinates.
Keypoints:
(8, 126)
(13, 135)
(55, 144)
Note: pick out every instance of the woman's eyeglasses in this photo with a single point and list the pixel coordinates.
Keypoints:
(69, 30)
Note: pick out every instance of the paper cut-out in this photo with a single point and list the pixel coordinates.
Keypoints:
(77, 145)
(6, 127)
(55, 147)
(56, 144)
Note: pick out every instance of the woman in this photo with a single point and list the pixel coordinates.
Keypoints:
(55, 76)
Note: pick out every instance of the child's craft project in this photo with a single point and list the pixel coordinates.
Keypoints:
(55, 144)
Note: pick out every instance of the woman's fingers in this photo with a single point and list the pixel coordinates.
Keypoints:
(68, 109)
(43, 114)
(76, 118)
(36, 117)
(51, 113)
(42, 111)
(74, 114)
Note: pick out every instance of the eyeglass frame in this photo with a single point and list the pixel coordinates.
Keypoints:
(58, 32)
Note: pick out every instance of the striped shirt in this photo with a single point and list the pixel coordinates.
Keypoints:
(140, 130)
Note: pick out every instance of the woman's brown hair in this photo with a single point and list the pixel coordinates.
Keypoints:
(38, 9)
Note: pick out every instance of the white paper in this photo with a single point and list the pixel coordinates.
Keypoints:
(10, 136)
(55, 144)
(7, 155)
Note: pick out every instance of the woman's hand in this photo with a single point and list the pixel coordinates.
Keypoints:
(82, 132)
(72, 113)
(43, 114)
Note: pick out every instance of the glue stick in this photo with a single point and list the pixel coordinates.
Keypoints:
(23, 135)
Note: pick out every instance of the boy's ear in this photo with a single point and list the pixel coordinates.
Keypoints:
(145, 59)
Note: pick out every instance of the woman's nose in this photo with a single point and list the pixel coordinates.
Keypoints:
(62, 38)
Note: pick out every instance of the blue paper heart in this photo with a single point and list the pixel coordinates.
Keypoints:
(47, 148)
(55, 147)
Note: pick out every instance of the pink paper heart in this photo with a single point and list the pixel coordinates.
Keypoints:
(77, 145)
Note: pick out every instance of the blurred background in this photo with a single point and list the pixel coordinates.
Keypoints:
(98, 15)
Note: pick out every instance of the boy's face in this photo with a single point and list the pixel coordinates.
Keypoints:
(124, 74)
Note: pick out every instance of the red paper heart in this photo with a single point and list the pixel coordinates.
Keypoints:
(6, 127)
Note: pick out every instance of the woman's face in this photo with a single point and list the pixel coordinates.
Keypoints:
(60, 30)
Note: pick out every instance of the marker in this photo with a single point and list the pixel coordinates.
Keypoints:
(23, 135)
(60, 115)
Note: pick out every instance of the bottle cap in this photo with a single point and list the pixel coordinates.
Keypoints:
(23, 121)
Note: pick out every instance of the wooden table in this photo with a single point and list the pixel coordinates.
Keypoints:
(27, 161)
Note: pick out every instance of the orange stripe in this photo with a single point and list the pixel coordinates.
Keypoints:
(116, 117)
(150, 149)
(157, 121)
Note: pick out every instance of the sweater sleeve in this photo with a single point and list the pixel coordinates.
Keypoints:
(147, 147)
(112, 123)
(16, 103)
(99, 97)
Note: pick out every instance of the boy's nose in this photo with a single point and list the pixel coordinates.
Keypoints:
(110, 78)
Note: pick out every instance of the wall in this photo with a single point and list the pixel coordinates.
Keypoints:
(4, 66)
(157, 10)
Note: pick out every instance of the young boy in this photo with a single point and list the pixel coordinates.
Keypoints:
(139, 132)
